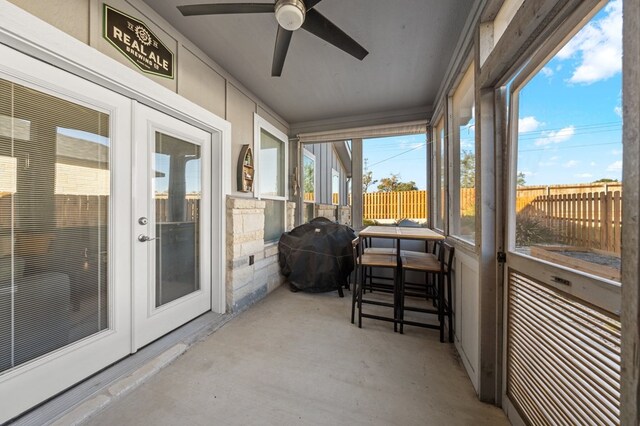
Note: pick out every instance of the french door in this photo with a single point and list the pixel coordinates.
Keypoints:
(65, 269)
(105, 228)
(171, 223)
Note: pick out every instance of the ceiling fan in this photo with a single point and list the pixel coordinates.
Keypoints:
(291, 15)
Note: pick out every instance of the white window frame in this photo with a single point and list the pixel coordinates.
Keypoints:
(439, 173)
(335, 173)
(311, 156)
(260, 124)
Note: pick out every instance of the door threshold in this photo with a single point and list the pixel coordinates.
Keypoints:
(90, 396)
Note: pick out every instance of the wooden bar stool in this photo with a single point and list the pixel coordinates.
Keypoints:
(377, 282)
(440, 269)
(373, 260)
(427, 287)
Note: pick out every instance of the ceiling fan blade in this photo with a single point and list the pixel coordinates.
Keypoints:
(225, 8)
(309, 4)
(321, 27)
(283, 38)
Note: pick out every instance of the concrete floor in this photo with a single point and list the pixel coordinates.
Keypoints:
(295, 358)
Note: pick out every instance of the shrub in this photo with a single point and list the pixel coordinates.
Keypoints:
(530, 231)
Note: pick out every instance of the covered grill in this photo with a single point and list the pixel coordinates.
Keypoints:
(317, 256)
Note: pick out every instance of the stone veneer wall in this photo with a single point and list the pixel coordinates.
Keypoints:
(326, 210)
(246, 284)
(344, 215)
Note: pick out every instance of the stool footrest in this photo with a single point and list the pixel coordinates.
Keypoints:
(418, 324)
(375, 302)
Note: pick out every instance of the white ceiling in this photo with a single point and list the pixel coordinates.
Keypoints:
(410, 44)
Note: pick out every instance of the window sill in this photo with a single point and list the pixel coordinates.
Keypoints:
(464, 245)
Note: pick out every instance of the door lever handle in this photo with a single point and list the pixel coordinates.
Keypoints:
(145, 238)
(559, 280)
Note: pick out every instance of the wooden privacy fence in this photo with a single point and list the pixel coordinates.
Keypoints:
(192, 209)
(395, 205)
(583, 215)
(592, 219)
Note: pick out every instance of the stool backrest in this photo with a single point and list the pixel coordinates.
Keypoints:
(448, 252)
(444, 252)
(355, 245)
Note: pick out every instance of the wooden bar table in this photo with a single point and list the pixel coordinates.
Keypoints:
(399, 233)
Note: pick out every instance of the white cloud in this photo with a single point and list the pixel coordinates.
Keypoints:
(593, 164)
(528, 124)
(599, 47)
(583, 175)
(546, 71)
(553, 161)
(570, 163)
(616, 166)
(618, 111)
(616, 152)
(556, 136)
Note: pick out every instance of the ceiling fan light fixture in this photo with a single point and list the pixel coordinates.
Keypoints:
(290, 14)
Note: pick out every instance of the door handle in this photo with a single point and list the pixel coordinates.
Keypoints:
(145, 238)
(560, 280)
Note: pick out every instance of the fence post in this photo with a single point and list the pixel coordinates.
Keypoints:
(399, 208)
(604, 221)
(548, 220)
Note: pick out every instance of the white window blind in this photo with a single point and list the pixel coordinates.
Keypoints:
(408, 128)
(54, 212)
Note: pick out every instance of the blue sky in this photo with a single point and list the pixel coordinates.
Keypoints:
(570, 120)
(403, 155)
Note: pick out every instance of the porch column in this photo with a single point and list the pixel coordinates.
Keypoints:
(356, 183)
(630, 395)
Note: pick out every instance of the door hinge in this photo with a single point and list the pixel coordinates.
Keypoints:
(502, 257)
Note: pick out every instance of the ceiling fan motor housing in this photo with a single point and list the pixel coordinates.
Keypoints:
(290, 14)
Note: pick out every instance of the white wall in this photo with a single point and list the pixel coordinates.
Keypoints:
(467, 321)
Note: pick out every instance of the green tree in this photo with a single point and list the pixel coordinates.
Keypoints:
(393, 184)
(468, 170)
(367, 177)
(521, 179)
(605, 180)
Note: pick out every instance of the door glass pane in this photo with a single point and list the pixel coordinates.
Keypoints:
(569, 181)
(54, 205)
(177, 190)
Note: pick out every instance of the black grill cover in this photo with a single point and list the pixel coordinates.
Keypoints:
(317, 256)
